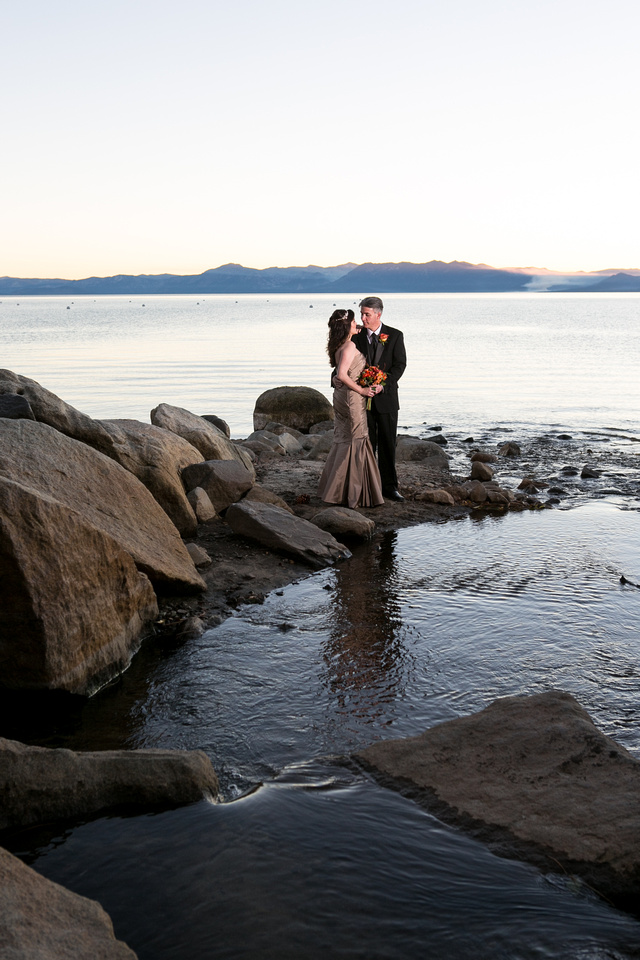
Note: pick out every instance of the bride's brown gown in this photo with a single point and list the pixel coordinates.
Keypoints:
(351, 476)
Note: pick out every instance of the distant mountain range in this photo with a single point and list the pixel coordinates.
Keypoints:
(365, 278)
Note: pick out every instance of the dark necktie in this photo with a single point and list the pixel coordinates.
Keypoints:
(372, 346)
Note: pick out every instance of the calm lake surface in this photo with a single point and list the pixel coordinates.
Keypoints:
(307, 856)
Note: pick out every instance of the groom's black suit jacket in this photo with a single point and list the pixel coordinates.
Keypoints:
(390, 357)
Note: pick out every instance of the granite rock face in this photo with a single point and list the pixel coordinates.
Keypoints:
(74, 606)
(200, 433)
(299, 407)
(103, 493)
(50, 409)
(279, 530)
(38, 784)
(533, 774)
(157, 457)
(40, 920)
(224, 481)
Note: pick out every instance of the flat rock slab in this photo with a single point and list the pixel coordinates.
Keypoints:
(40, 920)
(343, 522)
(534, 776)
(279, 530)
(38, 784)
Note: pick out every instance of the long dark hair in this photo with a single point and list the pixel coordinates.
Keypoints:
(339, 331)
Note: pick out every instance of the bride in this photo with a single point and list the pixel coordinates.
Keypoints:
(350, 476)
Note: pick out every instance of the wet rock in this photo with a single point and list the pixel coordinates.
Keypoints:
(474, 490)
(510, 449)
(40, 920)
(480, 457)
(201, 505)
(541, 778)
(74, 606)
(299, 407)
(531, 485)
(564, 436)
(219, 423)
(342, 522)
(104, 494)
(570, 471)
(481, 471)
(498, 497)
(199, 556)
(278, 530)
(224, 481)
(156, 457)
(191, 629)
(589, 472)
(38, 784)
(435, 496)
(261, 494)
(439, 439)
(200, 433)
(413, 448)
(15, 407)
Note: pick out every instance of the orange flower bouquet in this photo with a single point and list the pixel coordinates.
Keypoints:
(371, 377)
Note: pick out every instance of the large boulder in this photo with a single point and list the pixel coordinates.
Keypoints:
(105, 495)
(156, 457)
(413, 448)
(38, 784)
(40, 920)
(200, 433)
(536, 777)
(298, 407)
(224, 481)
(50, 409)
(74, 606)
(279, 530)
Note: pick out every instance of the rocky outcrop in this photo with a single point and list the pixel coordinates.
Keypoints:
(200, 433)
(40, 920)
(156, 457)
(534, 775)
(298, 407)
(103, 493)
(413, 448)
(74, 606)
(50, 409)
(341, 522)
(278, 530)
(38, 784)
(224, 481)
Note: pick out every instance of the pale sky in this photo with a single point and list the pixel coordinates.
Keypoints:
(152, 136)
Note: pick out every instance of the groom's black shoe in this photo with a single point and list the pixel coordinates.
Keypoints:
(393, 495)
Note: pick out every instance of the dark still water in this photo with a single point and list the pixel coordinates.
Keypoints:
(307, 856)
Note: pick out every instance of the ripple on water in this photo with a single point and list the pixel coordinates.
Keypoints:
(421, 626)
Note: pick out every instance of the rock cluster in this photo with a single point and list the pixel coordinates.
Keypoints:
(92, 516)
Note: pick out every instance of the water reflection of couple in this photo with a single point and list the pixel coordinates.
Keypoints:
(351, 476)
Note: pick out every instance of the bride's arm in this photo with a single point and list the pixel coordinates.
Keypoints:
(346, 355)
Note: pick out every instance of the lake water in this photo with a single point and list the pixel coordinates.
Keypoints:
(308, 857)
(474, 360)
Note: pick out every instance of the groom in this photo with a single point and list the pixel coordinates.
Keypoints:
(384, 348)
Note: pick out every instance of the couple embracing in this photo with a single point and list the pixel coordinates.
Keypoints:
(368, 362)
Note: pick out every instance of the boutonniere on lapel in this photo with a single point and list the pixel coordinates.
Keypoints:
(382, 339)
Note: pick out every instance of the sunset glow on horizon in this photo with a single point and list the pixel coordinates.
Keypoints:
(163, 138)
